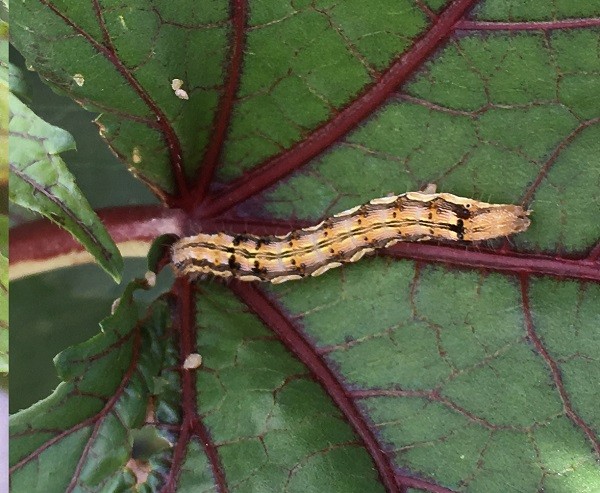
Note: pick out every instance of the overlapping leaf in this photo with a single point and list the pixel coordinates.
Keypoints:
(41, 182)
(3, 193)
(81, 436)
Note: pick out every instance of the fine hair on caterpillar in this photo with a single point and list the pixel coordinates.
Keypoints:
(346, 237)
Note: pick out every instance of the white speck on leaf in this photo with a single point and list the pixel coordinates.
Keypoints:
(150, 278)
(193, 360)
(176, 85)
(136, 156)
(79, 79)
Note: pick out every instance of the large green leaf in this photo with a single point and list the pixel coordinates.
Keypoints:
(432, 367)
(311, 66)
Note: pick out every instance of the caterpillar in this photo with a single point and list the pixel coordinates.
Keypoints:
(346, 237)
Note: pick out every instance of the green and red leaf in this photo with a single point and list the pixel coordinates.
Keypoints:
(432, 367)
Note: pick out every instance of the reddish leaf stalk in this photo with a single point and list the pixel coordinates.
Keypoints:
(292, 338)
(223, 116)
(282, 165)
(555, 370)
(42, 240)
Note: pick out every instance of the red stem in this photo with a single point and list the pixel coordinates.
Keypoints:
(191, 425)
(292, 338)
(40, 240)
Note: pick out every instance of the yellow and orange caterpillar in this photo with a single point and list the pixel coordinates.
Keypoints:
(346, 237)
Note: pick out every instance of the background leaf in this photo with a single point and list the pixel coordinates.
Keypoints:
(4, 350)
(432, 367)
(3, 198)
(41, 182)
(81, 435)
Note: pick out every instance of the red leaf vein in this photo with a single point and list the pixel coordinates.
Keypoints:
(555, 370)
(191, 424)
(223, 116)
(292, 338)
(283, 164)
(108, 51)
